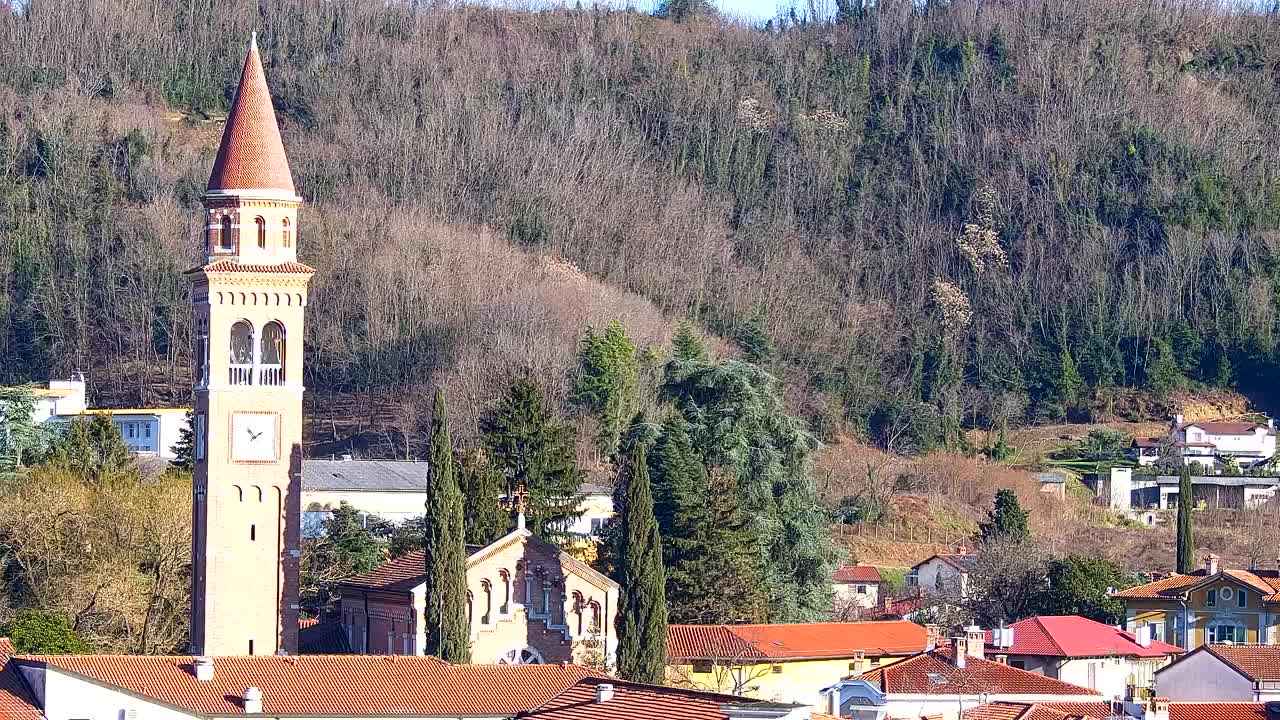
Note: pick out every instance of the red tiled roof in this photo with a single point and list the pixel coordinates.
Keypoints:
(1258, 662)
(960, 561)
(403, 573)
(233, 266)
(1224, 428)
(1147, 442)
(1266, 582)
(1073, 636)
(911, 676)
(1028, 711)
(795, 641)
(1086, 709)
(857, 574)
(251, 155)
(1217, 711)
(329, 684)
(632, 701)
(16, 701)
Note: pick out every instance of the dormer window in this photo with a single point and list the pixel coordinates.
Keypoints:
(284, 232)
(261, 226)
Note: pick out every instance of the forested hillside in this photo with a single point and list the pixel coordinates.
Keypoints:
(923, 216)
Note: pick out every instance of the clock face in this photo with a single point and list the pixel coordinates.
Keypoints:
(253, 437)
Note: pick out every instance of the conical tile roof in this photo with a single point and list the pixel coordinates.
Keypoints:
(251, 156)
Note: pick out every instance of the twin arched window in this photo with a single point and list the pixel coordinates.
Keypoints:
(266, 366)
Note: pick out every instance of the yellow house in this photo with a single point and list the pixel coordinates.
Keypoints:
(789, 663)
(1210, 605)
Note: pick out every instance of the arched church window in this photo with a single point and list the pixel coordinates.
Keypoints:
(241, 353)
(578, 610)
(271, 354)
(487, 588)
(505, 608)
(224, 237)
(261, 226)
(284, 232)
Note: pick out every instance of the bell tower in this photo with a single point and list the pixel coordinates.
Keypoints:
(248, 301)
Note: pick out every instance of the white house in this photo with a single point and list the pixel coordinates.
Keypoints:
(1223, 673)
(857, 585)
(62, 397)
(1215, 443)
(147, 431)
(395, 490)
(944, 684)
(1083, 652)
(942, 573)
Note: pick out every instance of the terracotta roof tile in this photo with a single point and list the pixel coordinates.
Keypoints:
(1224, 428)
(633, 701)
(1216, 711)
(960, 561)
(251, 155)
(16, 701)
(400, 574)
(857, 574)
(1074, 636)
(795, 641)
(1028, 711)
(332, 684)
(1266, 582)
(1259, 662)
(233, 266)
(1100, 709)
(912, 676)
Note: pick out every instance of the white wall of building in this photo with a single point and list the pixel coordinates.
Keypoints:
(66, 697)
(862, 595)
(1203, 677)
(935, 575)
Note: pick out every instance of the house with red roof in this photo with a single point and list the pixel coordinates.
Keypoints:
(784, 662)
(943, 574)
(1224, 673)
(857, 586)
(1213, 605)
(944, 684)
(344, 687)
(1213, 444)
(1084, 652)
(1155, 709)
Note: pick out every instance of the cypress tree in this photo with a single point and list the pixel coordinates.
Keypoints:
(530, 446)
(1006, 520)
(448, 636)
(481, 484)
(1186, 530)
(642, 605)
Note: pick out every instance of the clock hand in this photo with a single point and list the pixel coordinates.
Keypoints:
(253, 435)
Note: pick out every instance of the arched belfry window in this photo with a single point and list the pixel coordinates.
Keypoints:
(271, 354)
(284, 232)
(261, 226)
(241, 353)
(224, 237)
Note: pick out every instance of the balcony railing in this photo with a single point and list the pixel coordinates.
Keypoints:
(241, 374)
(246, 374)
(270, 375)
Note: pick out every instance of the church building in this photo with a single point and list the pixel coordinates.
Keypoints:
(528, 602)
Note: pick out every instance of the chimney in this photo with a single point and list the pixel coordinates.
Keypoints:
(1157, 709)
(604, 693)
(976, 639)
(958, 653)
(933, 635)
(1002, 637)
(202, 668)
(1211, 564)
(1177, 420)
(252, 700)
(1143, 636)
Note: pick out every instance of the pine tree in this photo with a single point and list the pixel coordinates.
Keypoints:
(688, 343)
(485, 520)
(1186, 528)
(755, 343)
(447, 630)
(1163, 376)
(607, 382)
(184, 451)
(642, 604)
(530, 446)
(1069, 380)
(94, 448)
(1006, 520)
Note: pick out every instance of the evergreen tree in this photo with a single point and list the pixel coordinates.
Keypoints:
(530, 446)
(738, 427)
(1069, 381)
(345, 548)
(688, 343)
(43, 632)
(20, 438)
(755, 343)
(1186, 529)
(485, 520)
(642, 604)
(1080, 586)
(447, 629)
(1006, 521)
(1163, 376)
(184, 451)
(94, 448)
(607, 382)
